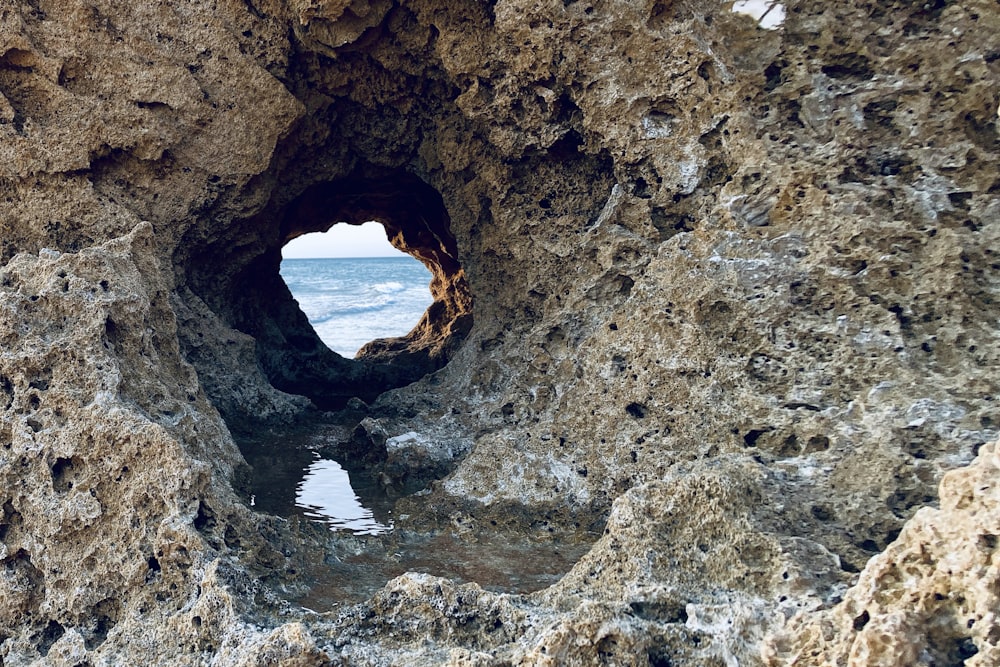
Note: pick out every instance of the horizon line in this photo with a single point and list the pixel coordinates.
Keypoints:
(393, 256)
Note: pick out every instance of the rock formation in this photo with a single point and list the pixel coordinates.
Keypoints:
(723, 290)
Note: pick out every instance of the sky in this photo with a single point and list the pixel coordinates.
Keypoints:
(367, 240)
(770, 13)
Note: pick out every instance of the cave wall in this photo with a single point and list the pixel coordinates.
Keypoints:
(732, 289)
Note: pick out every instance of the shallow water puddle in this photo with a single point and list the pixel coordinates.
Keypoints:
(367, 548)
(501, 563)
(296, 481)
(325, 494)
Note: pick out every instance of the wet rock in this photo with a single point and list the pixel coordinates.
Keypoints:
(720, 283)
(368, 441)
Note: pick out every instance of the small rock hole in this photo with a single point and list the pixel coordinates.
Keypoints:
(821, 513)
(49, 636)
(817, 443)
(204, 520)
(752, 436)
(62, 474)
(870, 546)
(966, 649)
(154, 568)
(661, 612)
(636, 410)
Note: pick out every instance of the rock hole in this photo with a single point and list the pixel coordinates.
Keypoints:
(789, 446)
(105, 616)
(658, 657)
(849, 566)
(870, 546)
(49, 636)
(111, 334)
(63, 473)
(817, 443)
(753, 435)
(244, 288)
(861, 620)
(659, 611)
(6, 393)
(355, 287)
(965, 649)
(772, 75)
(821, 513)
(10, 515)
(232, 538)
(636, 410)
(625, 284)
(154, 568)
(848, 65)
(204, 520)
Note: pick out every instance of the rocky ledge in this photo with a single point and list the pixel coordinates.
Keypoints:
(716, 301)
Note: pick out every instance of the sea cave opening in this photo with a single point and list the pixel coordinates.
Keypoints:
(237, 274)
(344, 475)
(354, 286)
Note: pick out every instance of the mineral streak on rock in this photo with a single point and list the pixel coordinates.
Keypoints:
(727, 290)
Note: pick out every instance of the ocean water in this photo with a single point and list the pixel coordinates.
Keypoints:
(353, 301)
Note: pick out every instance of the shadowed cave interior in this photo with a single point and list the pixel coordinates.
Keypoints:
(285, 463)
(251, 296)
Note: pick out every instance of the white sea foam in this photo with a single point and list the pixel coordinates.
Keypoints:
(353, 301)
(389, 287)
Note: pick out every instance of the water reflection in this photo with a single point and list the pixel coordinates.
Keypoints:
(292, 479)
(325, 494)
(288, 477)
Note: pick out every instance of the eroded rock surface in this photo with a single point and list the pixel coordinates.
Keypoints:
(726, 292)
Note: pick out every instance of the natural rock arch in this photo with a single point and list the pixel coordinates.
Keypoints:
(734, 292)
(244, 287)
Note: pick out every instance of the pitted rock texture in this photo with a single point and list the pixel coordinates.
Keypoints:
(930, 598)
(728, 292)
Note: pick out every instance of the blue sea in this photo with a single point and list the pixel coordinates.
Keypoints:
(353, 301)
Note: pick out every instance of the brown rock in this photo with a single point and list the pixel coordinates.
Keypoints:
(728, 289)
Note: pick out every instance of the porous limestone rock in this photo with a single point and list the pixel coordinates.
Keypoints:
(725, 290)
(930, 598)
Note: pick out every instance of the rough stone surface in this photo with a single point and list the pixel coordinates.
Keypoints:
(727, 293)
(929, 598)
